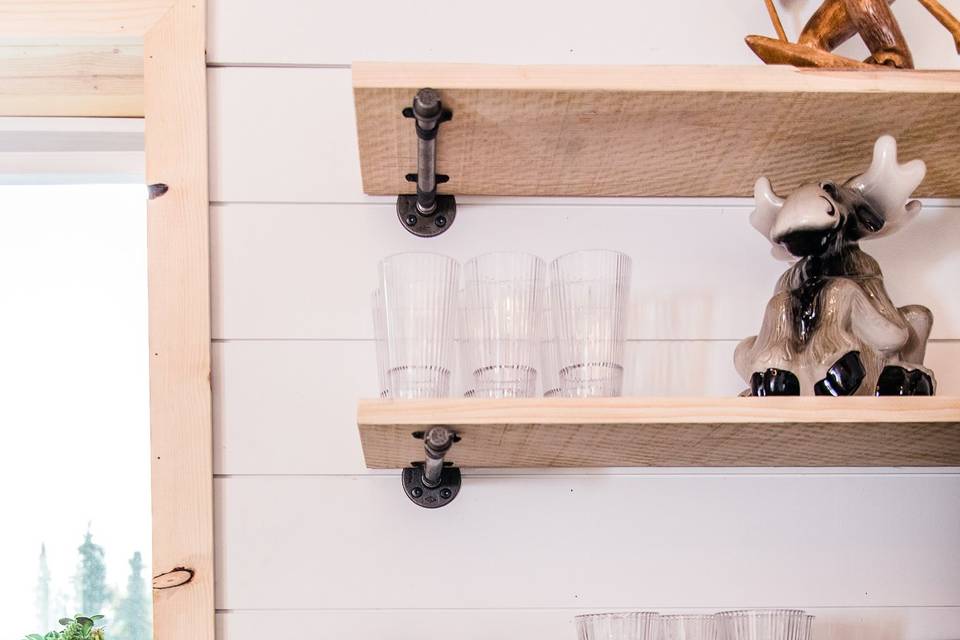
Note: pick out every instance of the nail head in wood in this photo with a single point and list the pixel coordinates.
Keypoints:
(156, 190)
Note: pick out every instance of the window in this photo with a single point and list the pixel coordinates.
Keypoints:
(74, 407)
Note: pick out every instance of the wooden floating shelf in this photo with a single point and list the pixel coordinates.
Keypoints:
(670, 432)
(654, 131)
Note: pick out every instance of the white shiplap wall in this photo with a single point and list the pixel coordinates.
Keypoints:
(310, 543)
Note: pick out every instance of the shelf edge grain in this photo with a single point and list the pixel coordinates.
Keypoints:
(679, 78)
(671, 432)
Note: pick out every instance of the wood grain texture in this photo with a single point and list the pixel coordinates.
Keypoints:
(100, 79)
(623, 432)
(78, 19)
(653, 131)
(179, 293)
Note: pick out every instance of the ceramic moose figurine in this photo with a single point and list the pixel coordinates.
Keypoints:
(830, 328)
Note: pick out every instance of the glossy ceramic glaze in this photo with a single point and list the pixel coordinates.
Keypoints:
(831, 328)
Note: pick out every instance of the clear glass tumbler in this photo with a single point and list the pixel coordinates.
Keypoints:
(419, 302)
(380, 340)
(764, 624)
(549, 354)
(590, 293)
(688, 627)
(500, 311)
(634, 625)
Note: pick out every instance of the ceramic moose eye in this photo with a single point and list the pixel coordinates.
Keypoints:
(830, 328)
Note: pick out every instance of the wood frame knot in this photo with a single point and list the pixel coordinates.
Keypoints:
(176, 577)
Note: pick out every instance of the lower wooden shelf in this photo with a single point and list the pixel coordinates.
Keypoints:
(669, 432)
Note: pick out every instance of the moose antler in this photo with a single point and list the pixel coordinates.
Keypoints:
(767, 205)
(887, 185)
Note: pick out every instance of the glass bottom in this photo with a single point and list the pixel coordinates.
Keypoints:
(591, 380)
(413, 382)
(505, 381)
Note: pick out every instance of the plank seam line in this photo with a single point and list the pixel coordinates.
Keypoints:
(275, 65)
(629, 340)
(792, 605)
(549, 474)
(475, 201)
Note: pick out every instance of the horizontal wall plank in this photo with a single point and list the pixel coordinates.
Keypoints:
(589, 541)
(606, 32)
(306, 271)
(289, 407)
(283, 135)
(898, 623)
(289, 135)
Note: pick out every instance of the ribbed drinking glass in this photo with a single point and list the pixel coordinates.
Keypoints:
(764, 624)
(635, 625)
(549, 355)
(419, 301)
(500, 311)
(380, 341)
(590, 293)
(688, 627)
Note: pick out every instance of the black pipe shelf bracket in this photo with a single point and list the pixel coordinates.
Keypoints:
(435, 482)
(427, 213)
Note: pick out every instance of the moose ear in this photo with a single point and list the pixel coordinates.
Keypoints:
(767, 205)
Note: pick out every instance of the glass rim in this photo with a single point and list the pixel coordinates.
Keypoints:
(688, 616)
(494, 254)
(592, 251)
(764, 612)
(619, 614)
(433, 254)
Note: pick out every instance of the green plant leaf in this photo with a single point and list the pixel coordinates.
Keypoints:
(65, 621)
(97, 617)
(34, 636)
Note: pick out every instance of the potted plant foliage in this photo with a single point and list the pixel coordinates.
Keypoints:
(77, 628)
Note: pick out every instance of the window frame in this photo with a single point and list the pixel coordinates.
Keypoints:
(115, 40)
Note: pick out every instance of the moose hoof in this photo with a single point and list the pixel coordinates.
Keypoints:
(774, 382)
(843, 378)
(897, 381)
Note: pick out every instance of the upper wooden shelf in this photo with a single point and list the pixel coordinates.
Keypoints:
(654, 131)
(670, 432)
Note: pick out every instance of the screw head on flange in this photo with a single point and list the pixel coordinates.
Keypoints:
(427, 225)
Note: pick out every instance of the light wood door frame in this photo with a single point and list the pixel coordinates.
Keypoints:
(133, 58)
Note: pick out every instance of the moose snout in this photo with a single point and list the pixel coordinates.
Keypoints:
(807, 220)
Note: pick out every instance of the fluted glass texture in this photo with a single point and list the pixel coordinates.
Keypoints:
(688, 627)
(590, 293)
(419, 296)
(635, 625)
(380, 341)
(549, 355)
(500, 314)
(765, 624)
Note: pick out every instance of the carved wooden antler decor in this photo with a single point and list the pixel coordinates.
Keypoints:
(835, 22)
